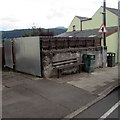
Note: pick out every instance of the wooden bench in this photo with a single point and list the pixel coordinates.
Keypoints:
(67, 63)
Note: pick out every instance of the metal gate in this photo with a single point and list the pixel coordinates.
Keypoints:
(8, 53)
(25, 53)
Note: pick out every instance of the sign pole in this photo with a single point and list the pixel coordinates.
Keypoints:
(103, 50)
(104, 20)
(118, 55)
(103, 30)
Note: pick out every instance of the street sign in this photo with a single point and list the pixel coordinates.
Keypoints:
(102, 29)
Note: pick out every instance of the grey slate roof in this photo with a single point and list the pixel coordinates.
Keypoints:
(82, 18)
(113, 10)
(87, 33)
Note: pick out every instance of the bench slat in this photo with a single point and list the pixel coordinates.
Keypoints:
(68, 65)
(63, 63)
(64, 60)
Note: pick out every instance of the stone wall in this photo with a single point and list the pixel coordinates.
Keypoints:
(54, 55)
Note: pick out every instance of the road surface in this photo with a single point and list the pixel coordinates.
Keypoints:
(106, 108)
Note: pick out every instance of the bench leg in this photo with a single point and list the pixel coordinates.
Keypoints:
(59, 72)
(79, 68)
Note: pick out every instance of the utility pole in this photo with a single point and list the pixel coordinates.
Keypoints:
(118, 33)
(103, 33)
(104, 21)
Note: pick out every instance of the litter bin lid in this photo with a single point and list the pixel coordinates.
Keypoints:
(111, 53)
(90, 54)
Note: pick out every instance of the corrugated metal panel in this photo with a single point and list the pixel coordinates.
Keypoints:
(8, 53)
(27, 55)
(1, 60)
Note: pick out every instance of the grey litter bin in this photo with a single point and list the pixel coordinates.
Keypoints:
(89, 62)
(110, 59)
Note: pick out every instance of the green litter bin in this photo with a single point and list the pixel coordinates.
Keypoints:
(89, 62)
(110, 59)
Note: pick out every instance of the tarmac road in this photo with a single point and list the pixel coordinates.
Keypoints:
(26, 96)
(105, 107)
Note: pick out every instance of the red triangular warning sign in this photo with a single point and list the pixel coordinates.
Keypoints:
(102, 29)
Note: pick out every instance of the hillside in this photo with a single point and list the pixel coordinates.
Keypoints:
(23, 32)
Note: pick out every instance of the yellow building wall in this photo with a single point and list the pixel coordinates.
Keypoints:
(76, 22)
(97, 20)
(95, 23)
(112, 44)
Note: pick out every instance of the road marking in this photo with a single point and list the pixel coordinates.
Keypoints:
(81, 109)
(110, 111)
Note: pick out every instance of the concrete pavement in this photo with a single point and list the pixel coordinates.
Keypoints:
(26, 96)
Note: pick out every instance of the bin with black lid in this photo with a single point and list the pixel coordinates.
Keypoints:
(89, 62)
(110, 59)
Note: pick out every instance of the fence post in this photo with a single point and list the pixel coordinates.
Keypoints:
(64, 44)
(49, 43)
(3, 54)
(56, 43)
(85, 43)
(13, 55)
(41, 56)
(68, 42)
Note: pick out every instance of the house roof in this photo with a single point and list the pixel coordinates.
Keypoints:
(88, 33)
(83, 18)
(113, 10)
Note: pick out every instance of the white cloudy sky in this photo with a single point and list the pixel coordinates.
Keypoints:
(17, 14)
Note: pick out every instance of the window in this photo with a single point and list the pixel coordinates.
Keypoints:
(73, 27)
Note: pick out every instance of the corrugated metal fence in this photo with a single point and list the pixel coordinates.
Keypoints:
(25, 54)
(49, 43)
